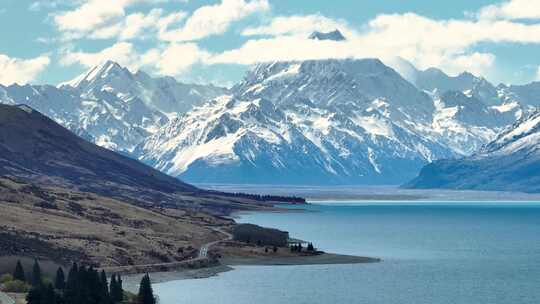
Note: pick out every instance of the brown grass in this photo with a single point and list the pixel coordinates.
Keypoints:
(105, 231)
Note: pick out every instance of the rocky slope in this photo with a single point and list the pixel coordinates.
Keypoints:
(320, 122)
(510, 162)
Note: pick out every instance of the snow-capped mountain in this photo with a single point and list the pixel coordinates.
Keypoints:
(325, 121)
(111, 106)
(309, 122)
(464, 123)
(163, 94)
(527, 95)
(335, 35)
(434, 79)
(511, 162)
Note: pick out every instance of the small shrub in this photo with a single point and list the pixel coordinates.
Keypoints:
(6, 278)
(16, 286)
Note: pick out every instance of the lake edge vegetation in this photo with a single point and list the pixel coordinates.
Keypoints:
(82, 285)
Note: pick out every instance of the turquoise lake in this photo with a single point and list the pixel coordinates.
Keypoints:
(459, 253)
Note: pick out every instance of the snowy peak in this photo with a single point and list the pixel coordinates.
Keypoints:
(526, 95)
(524, 134)
(111, 106)
(107, 70)
(332, 82)
(435, 80)
(333, 35)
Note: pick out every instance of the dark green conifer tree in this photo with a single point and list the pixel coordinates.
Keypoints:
(112, 288)
(116, 289)
(146, 294)
(18, 274)
(49, 295)
(119, 289)
(71, 293)
(35, 295)
(83, 286)
(104, 285)
(37, 279)
(60, 280)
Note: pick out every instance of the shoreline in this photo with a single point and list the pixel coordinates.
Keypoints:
(131, 281)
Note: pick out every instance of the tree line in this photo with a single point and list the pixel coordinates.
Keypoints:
(263, 198)
(83, 285)
(298, 247)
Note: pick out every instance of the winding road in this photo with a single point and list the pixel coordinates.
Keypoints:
(202, 255)
(203, 252)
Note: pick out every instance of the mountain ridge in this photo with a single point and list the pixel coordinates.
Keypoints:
(111, 106)
(508, 163)
(355, 116)
(339, 121)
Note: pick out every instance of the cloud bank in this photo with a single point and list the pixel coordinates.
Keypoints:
(21, 71)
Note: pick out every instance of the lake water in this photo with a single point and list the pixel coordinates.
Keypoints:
(432, 253)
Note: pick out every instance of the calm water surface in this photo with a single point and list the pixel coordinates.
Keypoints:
(433, 253)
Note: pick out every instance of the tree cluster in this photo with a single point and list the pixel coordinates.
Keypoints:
(298, 247)
(84, 285)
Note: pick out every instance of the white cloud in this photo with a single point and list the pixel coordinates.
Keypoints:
(104, 19)
(171, 60)
(15, 70)
(514, 9)
(297, 25)
(426, 42)
(123, 52)
(177, 58)
(214, 19)
(90, 15)
(476, 63)
(136, 25)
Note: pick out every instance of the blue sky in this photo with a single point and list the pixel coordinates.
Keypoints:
(50, 41)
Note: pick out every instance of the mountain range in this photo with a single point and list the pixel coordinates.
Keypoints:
(111, 106)
(324, 122)
(349, 121)
(510, 162)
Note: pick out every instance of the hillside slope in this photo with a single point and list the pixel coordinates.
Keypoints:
(36, 149)
(66, 199)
